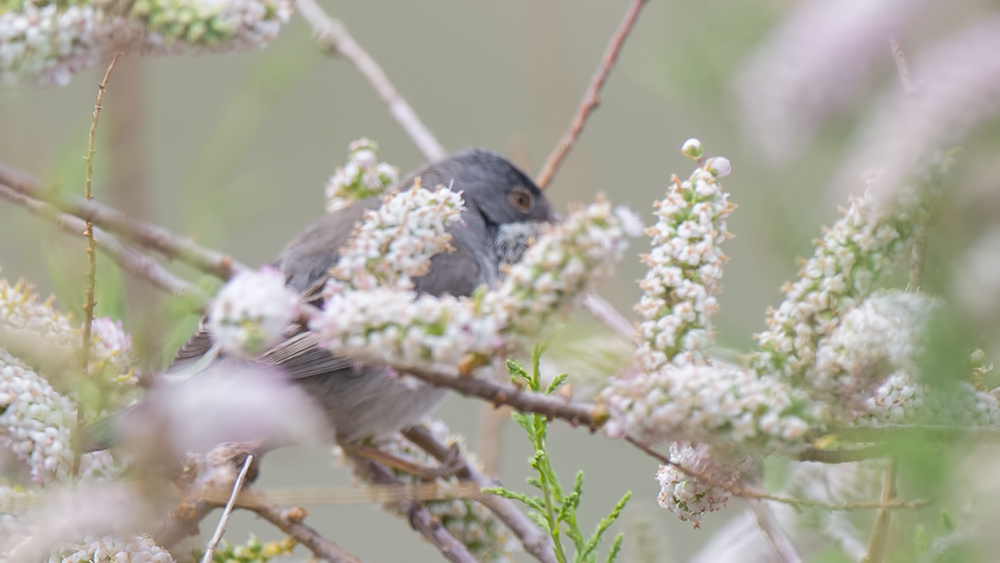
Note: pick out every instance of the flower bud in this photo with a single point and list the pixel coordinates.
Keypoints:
(719, 166)
(691, 149)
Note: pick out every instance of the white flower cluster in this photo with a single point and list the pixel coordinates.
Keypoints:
(24, 318)
(48, 42)
(689, 497)
(36, 422)
(713, 402)
(389, 324)
(685, 269)
(250, 314)
(36, 332)
(44, 42)
(849, 260)
(901, 400)
(396, 242)
(880, 336)
(676, 393)
(112, 346)
(363, 176)
(213, 25)
(136, 549)
(560, 269)
(467, 521)
(386, 324)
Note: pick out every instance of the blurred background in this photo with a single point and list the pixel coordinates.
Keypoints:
(234, 150)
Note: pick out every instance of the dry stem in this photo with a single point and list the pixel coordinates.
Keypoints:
(576, 413)
(146, 235)
(334, 38)
(799, 502)
(534, 541)
(421, 518)
(591, 99)
(880, 531)
(128, 259)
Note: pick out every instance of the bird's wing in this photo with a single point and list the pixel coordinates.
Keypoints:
(195, 347)
(299, 357)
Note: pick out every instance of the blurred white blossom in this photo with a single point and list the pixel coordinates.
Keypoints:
(816, 61)
(882, 335)
(251, 313)
(362, 177)
(849, 262)
(48, 42)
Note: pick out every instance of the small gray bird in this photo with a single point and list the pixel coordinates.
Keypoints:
(503, 210)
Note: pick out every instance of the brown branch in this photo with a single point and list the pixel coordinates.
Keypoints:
(576, 413)
(799, 502)
(421, 518)
(880, 531)
(592, 98)
(334, 38)
(145, 235)
(534, 541)
(128, 259)
(209, 485)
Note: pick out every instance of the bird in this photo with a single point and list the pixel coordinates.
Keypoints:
(504, 209)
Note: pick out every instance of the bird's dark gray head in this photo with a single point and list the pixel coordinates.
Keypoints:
(491, 187)
(504, 209)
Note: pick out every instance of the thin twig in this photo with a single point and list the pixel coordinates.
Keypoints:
(334, 38)
(89, 303)
(880, 531)
(800, 502)
(221, 528)
(576, 413)
(604, 312)
(289, 521)
(772, 531)
(895, 433)
(136, 263)
(145, 235)
(844, 455)
(533, 539)
(422, 520)
(592, 98)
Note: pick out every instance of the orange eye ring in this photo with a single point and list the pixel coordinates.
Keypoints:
(521, 199)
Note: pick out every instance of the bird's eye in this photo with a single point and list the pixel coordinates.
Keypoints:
(521, 199)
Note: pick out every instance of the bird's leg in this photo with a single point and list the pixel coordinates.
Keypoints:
(445, 469)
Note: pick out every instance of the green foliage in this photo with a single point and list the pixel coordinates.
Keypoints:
(555, 509)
